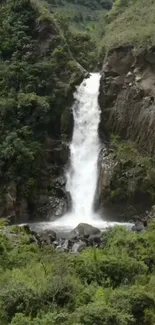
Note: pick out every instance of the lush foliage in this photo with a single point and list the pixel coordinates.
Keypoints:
(81, 14)
(131, 23)
(110, 285)
(37, 77)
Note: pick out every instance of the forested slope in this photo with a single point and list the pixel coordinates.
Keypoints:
(37, 77)
(131, 23)
(81, 14)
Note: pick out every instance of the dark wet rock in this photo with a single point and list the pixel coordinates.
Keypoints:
(69, 201)
(13, 207)
(57, 151)
(11, 219)
(106, 167)
(51, 199)
(55, 243)
(66, 245)
(84, 230)
(46, 237)
(78, 247)
(67, 123)
(60, 249)
(51, 234)
(138, 227)
(127, 97)
(58, 206)
(95, 238)
(27, 229)
(33, 239)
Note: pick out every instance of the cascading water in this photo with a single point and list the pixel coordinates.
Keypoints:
(84, 149)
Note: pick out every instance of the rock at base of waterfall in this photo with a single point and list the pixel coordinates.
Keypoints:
(66, 245)
(138, 227)
(84, 230)
(78, 247)
(46, 237)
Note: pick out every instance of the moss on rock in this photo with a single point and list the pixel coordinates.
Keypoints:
(133, 176)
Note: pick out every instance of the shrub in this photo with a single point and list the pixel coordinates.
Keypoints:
(95, 266)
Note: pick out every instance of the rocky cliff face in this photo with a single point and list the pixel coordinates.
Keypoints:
(127, 95)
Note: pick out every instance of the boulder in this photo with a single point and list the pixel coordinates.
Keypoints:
(84, 230)
(60, 249)
(94, 239)
(138, 227)
(46, 237)
(66, 245)
(27, 229)
(78, 247)
(55, 243)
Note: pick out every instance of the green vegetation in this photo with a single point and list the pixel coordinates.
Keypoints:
(81, 44)
(42, 59)
(130, 23)
(44, 50)
(110, 285)
(81, 14)
(37, 78)
(134, 175)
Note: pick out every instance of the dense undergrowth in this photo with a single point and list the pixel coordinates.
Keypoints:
(110, 285)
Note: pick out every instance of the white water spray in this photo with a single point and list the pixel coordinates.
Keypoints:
(84, 151)
(85, 146)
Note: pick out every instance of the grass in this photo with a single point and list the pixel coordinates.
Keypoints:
(132, 25)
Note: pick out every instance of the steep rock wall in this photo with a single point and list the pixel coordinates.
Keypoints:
(127, 93)
(127, 101)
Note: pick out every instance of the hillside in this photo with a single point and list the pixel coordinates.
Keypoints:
(82, 14)
(131, 23)
(37, 77)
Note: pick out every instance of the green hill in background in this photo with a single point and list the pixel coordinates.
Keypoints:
(131, 23)
(82, 14)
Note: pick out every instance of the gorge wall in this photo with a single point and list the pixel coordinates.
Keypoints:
(128, 122)
(127, 174)
(127, 96)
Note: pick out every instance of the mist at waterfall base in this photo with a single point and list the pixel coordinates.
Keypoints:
(84, 151)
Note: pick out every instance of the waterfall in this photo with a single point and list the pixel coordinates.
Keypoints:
(84, 149)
